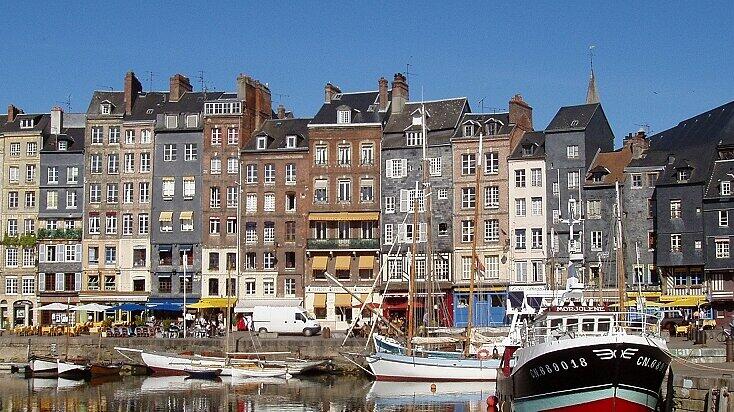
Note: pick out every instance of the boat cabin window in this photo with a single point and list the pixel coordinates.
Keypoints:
(555, 323)
(587, 324)
(572, 325)
(604, 324)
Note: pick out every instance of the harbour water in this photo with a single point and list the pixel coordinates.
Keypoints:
(322, 393)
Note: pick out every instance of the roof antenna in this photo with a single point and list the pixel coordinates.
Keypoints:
(407, 70)
(644, 126)
(150, 80)
(481, 105)
(280, 97)
(66, 102)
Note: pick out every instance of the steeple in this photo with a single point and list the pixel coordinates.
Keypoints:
(592, 96)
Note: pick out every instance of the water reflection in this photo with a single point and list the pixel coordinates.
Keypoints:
(179, 394)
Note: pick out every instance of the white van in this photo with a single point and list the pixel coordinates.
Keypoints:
(285, 319)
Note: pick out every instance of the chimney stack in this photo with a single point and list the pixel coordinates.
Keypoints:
(637, 143)
(179, 85)
(329, 91)
(13, 112)
(57, 120)
(399, 93)
(132, 89)
(256, 103)
(521, 114)
(281, 111)
(383, 93)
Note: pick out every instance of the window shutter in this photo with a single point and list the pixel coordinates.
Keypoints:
(41, 282)
(59, 282)
(78, 252)
(41, 253)
(422, 232)
(404, 167)
(388, 168)
(77, 281)
(404, 200)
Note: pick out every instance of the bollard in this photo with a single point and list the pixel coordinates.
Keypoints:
(729, 350)
(326, 333)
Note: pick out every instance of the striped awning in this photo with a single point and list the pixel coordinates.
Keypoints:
(366, 262)
(344, 216)
(166, 217)
(319, 262)
(187, 215)
(343, 263)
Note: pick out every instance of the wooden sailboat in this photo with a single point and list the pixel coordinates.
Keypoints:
(67, 369)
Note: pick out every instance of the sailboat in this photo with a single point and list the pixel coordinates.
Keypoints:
(413, 362)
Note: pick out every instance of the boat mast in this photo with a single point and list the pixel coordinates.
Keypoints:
(428, 310)
(475, 258)
(618, 255)
(411, 278)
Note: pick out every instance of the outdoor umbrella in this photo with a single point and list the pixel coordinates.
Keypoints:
(56, 306)
(91, 307)
(129, 307)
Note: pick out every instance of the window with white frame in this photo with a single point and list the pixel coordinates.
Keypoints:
(536, 177)
(596, 240)
(168, 188)
(389, 203)
(30, 199)
(113, 164)
(491, 163)
(216, 136)
(573, 179)
(443, 193)
(13, 174)
(269, 174)
(96, 134)
(366, 190)
(269, 232)
(129, 163)
(127, 224)
(345, 190)
(491, 230)
(95, 193)
(434, 168)
(129, 136)
(232, 198)
(723, 218)
(145, 162)
(231, 225)
(466, 267)
(14, 149)
(722, 248)
(467, 230)
(30, 173)
(290, 174)
(491, 266)
(520, 207)
(520, 178)
(215, 166)
(269, 261)
(725, 188)
(269, 202)
(52, 199)
(251, 203)
(214, 225)
(675, 209)
(143, 223)
(521, 271)
(146, 136)
(11, 257)
(291, 141)
(71, 199)
(520, 241)
(344, 154)
(11, 284)
(52, 175)
(468, 197)
(189, 187)
(389, 234)
(367, 154)
(233, 165)
(414, 138)
(169, 152)
(93, 224)
(321, 155)
(321, 188)
(675, 243)
(468, 163)
(31, 149)
(192, 120)
(171, 121)
(114, 135)
(251, 173)
(396, 168)
(572, 152)
(536, 206)
(233, 135)
(187, 223)
(491, 197)
(343, 117)
(144, 192)
(440, 268)
(593, 209)
(111, 224)
(536, 238)
(191, 152)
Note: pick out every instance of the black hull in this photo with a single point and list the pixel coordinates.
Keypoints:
(574, 376)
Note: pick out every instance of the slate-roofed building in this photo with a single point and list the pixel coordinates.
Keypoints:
(402, 189)
(61, 205)
(527, 212)
(344, 211)
(277, 200)
(22, 138)
(501, 132)
(229, 120)
(573, 137)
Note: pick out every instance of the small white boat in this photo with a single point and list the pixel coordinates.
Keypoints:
(39, 366)
(175, 364)
(404, 368)
(70, 370)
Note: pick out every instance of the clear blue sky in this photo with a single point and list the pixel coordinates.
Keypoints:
(655, 63)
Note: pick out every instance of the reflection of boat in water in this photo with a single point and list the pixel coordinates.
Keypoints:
(177, 383)
(43, 384)
(388, 393)
(235, 381)
(69, 384)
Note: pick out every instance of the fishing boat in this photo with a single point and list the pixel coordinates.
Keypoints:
(41, 366)
(71, 370)
(101, 370)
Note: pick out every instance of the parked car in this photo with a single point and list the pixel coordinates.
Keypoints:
(285, 320)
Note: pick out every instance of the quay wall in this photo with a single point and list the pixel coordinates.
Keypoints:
(685, 393)
(15, 348)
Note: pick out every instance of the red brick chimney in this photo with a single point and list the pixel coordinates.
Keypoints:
(399, 93)
(132, 89)
(383, 93)
(521, 114)
(13, 112)
(329, 91)
(637, 143)
(179, 85)
(281, 111)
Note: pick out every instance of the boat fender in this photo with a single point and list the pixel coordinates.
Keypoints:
(483, 354)
(495, 353)
(492, 404)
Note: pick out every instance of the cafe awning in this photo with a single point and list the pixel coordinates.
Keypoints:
(213, 303)
(92, 307)
(187, 215)
(319, 300)
(343, 300)
(319, 262)
(366, 262)
(166, 217)
(343, 262)
(685, 302)
(344, 216)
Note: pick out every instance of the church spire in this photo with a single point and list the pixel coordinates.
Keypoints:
(592, 96)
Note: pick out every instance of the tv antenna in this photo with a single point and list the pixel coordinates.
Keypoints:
(200, 78)
(151, 74)
(407, 70)
(66, 103)
(280, 97)
(481, 105)
(644, 126)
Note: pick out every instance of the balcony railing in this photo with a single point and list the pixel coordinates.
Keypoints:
(343, 243)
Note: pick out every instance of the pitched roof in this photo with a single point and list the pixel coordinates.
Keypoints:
(277, 130)
(692, 143)
(611, 165)
(442, 119)
(535, 139)
(40, 123)
(481, 119)
(572, 118)
(721, 170)
(116, 98)
(364, 107)
(190, 102)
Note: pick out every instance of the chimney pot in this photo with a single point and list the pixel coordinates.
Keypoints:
(57, 120)
(179, 85)
(13, 112)
(329, 91)
(133, 87)
(382, 98)
(281, 111)
(400, 94)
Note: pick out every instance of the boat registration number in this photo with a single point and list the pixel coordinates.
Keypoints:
(555, 367)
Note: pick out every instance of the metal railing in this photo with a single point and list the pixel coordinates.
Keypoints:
(572, 325)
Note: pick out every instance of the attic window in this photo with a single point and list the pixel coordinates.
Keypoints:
(468, 130)
(149, 111)
(26, 123)
(337, 96)
(262, 143)
(414, 139)
(574, 123)
(291, 141)
(171, 121)
(343, 117)
(417, 120)
(192, 120)
(105, 108)
(527, 150)
(63, 145)
(493, 128)
(725, 188)
(597, 177)
(684, 175)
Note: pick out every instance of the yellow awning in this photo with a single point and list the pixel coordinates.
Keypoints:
(343, 263)
(166, 217)
(211, 303)
(319, 262)
(686, 302)
(645, 294)
(187, 215)
(366, 262)
(671, 298)
(345, 216)
(343, 300)
(319, 300)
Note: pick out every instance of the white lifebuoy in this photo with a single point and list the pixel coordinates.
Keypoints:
(483, 354)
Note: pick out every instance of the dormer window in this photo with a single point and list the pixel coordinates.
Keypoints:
(684, 175)
(528, 150)
(262, 143)
(417, 120)
(725, 188)
(62, 145)
(291, 142)
(343, 117)
(414, 138)
(574, 123)
(469, 130)
(493, 128)
(26, 123)
(171, 121)
(192, 120)
(105, 108)
(597, 177)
